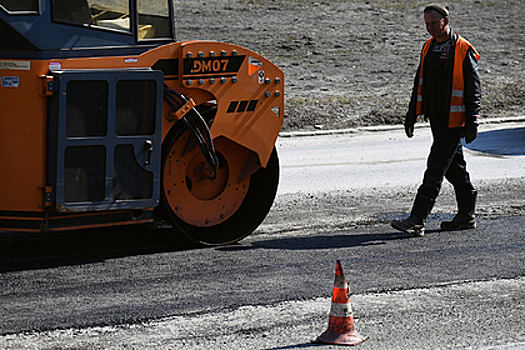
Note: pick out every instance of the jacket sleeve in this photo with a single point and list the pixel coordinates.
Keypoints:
(413, 97)
(472, 89)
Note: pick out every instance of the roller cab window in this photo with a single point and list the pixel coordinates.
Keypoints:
(20, 6)
(152, 19)
(111, 14)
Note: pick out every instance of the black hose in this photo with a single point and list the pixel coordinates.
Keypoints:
(176, 100)
(171, 101)
(194, 113)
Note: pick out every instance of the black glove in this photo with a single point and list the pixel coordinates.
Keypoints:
(470, 134)
(410, 121)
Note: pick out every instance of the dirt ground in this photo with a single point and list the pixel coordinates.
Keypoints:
(351, 63)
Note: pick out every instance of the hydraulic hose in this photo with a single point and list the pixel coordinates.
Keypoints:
(176, 100)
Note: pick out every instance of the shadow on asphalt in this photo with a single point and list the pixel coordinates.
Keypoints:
(504, 142)
(330, 241)
(28, 251)
(23, 251)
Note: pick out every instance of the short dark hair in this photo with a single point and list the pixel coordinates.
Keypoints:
(442, 10)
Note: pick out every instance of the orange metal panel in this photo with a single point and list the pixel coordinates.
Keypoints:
(261, 84)
(22, 138)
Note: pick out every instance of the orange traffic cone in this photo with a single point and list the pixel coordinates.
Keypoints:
(341, 324)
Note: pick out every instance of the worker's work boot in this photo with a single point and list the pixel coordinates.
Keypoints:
(464, 219)
(415, 223)
(411, 225)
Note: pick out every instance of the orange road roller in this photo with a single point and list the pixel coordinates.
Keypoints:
(107, 120)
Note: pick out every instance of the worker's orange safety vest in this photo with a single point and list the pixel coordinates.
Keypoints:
(457, 116)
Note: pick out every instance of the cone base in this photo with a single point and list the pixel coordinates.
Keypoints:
(347, 338)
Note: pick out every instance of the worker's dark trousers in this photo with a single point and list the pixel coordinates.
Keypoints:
(445, 161)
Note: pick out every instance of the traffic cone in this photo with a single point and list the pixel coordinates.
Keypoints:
(341, 324)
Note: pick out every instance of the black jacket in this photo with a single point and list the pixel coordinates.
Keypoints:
(471, 81)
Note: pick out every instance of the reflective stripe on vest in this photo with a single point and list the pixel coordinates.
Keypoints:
(457, 114)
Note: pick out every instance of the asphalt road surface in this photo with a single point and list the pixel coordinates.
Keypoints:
(132, 288)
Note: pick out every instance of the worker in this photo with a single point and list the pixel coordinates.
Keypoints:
(447, 92)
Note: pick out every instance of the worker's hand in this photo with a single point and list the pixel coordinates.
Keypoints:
(470, 135)
(409, 130)
(410, 121)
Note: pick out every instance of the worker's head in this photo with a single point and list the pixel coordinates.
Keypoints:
(437, 21)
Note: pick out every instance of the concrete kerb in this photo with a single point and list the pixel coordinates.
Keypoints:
(380, 128)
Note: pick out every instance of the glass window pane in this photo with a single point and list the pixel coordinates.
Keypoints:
(135, 107)
(20, 5)
(85, 173)
(112, 14)
(86, 108)
(154, 19)
(76, 11)
(131, 180)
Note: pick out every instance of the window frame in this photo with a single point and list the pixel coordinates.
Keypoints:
(38, 11)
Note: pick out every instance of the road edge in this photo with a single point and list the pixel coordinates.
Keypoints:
(381, 128)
